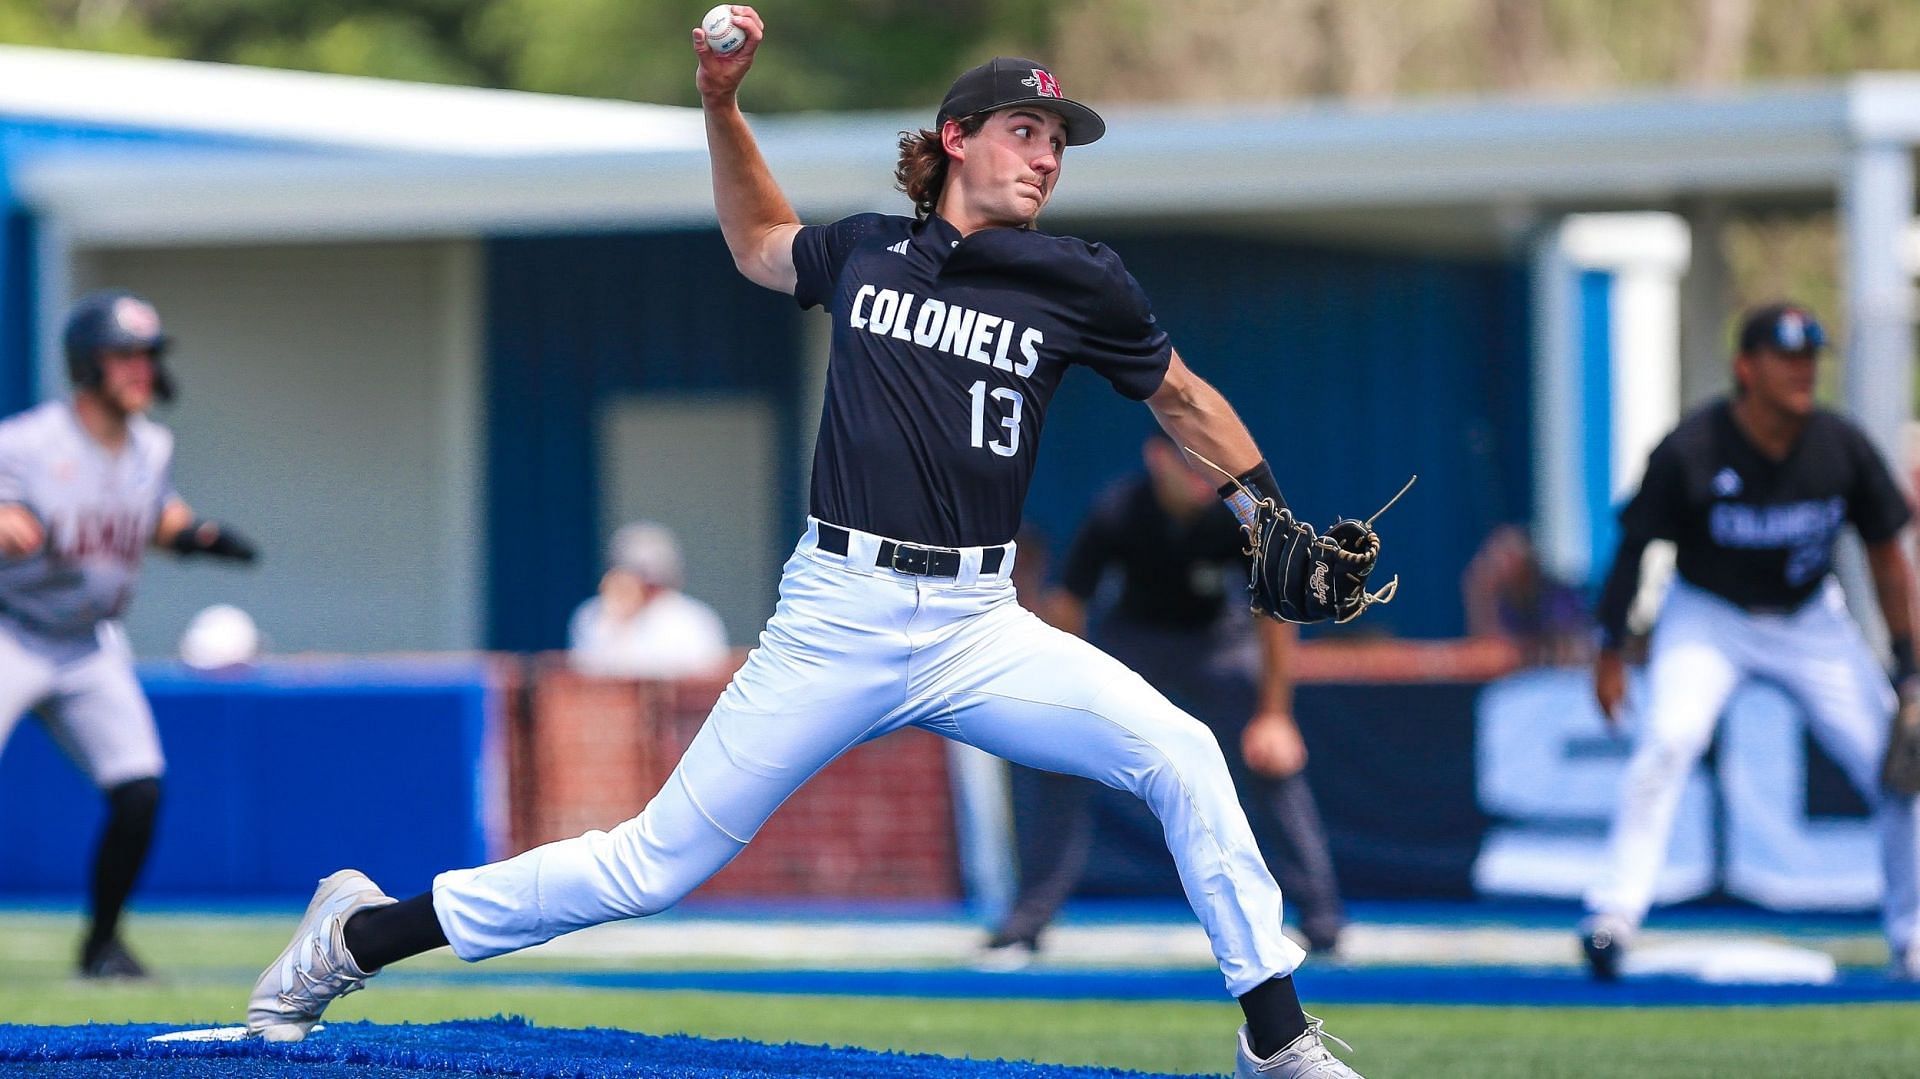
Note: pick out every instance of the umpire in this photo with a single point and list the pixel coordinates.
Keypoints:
(1754, 493)
(1171, 547)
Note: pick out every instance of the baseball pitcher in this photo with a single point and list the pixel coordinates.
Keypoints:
(951, 330)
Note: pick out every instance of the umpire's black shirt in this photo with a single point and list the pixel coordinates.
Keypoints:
(1752, 530)
(1173, 573)
(946, 352)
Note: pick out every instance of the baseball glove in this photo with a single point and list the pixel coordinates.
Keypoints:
(1900, 771)
(1301, 576)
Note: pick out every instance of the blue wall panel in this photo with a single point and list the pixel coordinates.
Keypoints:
(572, 321)
(18, 321)
(1596, 417)
(274, 780)
(1352, 370)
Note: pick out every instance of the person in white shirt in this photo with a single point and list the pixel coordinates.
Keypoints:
(641, 625)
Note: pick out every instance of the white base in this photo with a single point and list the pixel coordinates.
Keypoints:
(1733, 962)
(217, 1034)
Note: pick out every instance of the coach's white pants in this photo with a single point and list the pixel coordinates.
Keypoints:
(852, 653)
(1702, 647)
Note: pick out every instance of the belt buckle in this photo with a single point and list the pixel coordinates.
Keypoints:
(908, 558)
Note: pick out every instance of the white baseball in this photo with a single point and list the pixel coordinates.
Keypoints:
(723, 36)
(220, 637)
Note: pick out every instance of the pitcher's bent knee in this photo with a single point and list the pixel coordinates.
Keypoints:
(1191, 750)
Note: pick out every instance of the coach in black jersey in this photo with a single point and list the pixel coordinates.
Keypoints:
(1754, 492)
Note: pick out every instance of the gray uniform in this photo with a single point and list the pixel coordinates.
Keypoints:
(61, 652)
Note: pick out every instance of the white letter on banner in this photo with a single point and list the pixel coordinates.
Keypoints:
(1776, 857)
(1550, 773)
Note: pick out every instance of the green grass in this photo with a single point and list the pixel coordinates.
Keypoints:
(209, 962)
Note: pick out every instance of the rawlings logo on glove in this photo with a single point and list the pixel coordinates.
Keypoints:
(1319, 583)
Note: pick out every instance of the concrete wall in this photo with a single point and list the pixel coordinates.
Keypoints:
(329, 406)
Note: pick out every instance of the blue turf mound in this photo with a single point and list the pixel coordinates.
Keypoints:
(500, 1047)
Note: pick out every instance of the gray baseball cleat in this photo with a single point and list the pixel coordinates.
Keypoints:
(1000, 956)
(1603, 940)
(315, 967)
(1306, 1057)
(1905, 964)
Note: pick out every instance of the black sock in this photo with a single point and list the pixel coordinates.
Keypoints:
(1274, 1016)
(131, 810)
(380, 935)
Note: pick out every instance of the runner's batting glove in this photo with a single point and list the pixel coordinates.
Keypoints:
(216, 539)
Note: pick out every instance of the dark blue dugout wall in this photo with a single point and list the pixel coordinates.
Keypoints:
(1353, 370)
(571, 321)
(1405, 823)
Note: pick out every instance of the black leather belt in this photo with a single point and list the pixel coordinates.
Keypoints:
(911, 557)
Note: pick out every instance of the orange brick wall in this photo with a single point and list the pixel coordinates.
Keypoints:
(588, 753)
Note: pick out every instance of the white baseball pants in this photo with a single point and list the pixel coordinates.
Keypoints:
(1701, 649)
(853, 652)
(89, 701)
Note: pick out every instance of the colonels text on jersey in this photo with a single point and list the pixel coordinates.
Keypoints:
(946, 353)
(955, 330)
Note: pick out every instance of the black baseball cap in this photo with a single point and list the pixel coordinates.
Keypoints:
(1782, 327)
(1006, 81)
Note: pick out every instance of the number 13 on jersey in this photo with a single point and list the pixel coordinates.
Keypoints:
(1010, 421)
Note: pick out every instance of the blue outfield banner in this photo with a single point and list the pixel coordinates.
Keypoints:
(275, 777)
(1459, 789)
(279, 775)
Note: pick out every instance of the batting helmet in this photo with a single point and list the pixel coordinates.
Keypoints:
(114, 318)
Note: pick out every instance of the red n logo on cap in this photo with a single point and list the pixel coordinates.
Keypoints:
(1043, 83)
(136, 318)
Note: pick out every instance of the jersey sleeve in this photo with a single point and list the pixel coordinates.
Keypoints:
(13, 469)
(160, 440)
(1875, 505)
(1654, 512)
(164, 491)
(1122, 341)
(1094, 547)
(820, 253)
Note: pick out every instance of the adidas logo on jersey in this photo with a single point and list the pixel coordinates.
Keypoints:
(899, 248)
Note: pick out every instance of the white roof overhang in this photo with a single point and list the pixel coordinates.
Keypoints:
(423, 161)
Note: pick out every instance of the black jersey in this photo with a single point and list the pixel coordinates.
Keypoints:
(946, 352)
(1173, 574)
(1755, 531)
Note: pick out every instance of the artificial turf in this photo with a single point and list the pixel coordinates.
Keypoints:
(208, 964)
